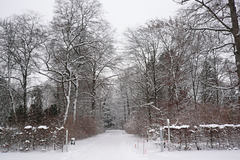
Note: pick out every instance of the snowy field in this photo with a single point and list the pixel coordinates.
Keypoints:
(117, 145)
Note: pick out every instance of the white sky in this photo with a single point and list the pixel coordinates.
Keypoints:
(120, 13)
(10, 7)
(129, 13)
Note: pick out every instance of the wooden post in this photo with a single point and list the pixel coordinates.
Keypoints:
(169, 140)
(161, 138)
(67, 140)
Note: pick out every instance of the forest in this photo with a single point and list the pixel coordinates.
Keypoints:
(69, 74)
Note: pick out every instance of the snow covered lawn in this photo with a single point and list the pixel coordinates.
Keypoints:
(196, 155)
(117, 145)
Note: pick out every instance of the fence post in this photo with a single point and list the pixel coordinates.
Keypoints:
(161, 138)
(168, 123)
(66, 140)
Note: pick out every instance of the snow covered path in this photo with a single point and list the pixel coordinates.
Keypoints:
(118, 145)
(112, 145)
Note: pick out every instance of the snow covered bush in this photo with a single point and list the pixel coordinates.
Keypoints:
(138, 122)
(84, 127)
(32, 138)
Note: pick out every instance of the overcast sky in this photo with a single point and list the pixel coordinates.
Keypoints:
(120, 13)
(129, 13)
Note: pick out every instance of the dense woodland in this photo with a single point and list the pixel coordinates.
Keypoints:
(185, 69)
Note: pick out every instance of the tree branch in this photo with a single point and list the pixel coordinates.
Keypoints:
(214, 14)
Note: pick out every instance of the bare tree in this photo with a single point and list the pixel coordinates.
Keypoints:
(143, 45)
(79, 49)
(22, 38)
(101, 59)
(8, 35)
(222, 18)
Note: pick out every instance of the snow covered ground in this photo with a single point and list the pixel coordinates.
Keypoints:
(117, 145)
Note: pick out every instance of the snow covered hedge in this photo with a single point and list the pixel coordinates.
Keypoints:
(31, 138)
(44, 137)
(207, 136)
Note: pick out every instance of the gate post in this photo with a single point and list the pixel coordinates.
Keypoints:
(66, 140)
(169, 140)
(161, 138)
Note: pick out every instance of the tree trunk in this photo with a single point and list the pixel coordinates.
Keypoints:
(94, 88)
(10, 90)
(236, 34)
(93, 96)
(75, 101)
(24, 96)
(148, 101)
(68, 100)
(124, 113)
